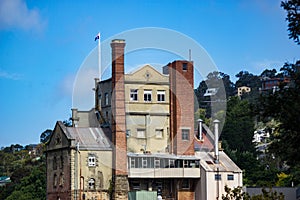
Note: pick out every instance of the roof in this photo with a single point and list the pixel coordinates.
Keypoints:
(225, 163)
(89, 138)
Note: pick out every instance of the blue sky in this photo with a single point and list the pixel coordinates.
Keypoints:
(44, 43)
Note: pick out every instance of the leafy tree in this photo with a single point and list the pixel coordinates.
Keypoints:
(45, 136)
(269, 73)
(239, 125)
(292, 7)
(238, 194)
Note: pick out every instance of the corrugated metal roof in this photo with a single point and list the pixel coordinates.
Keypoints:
(225, 163)
(89, 138)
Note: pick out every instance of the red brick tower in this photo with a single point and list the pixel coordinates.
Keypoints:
(118, 121)
(181, 77)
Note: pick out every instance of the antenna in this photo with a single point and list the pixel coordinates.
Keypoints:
(190, 54)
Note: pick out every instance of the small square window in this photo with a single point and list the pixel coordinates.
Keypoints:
(147, 95)
(159, 133)
(92, 184)
(161, 96)
(217, 177)
(184, 66)
(230, 177)
(92, 161)
(133, 95)
(128, 133)
(185, 184)
(141, 133)
(185, 134)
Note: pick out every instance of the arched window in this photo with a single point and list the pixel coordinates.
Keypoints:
(92, 184)
(55, 163)
(55, 180)
(61, 179)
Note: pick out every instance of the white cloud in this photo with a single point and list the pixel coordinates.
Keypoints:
(16, 14)
(7, 75)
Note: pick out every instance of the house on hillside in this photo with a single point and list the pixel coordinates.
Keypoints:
(139, 141)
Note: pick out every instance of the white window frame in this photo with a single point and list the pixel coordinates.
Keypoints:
(156, 163)
(171, 162)
(133, 94)
(139, 131)
(161, 96)
(159, 133)
(230, 177)
(92, 184)
(147, 95)
(92, 161)
(132, 163)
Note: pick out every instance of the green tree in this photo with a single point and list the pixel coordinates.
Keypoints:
(292, 7)
(238, 194)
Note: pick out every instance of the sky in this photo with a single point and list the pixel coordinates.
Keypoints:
(45, 44)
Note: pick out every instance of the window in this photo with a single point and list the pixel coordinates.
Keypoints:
(55, 180)
(161, 95)
(61, 179)
(54, 163)
(217, 177)
(132, 162)
(136, 185)
(184, 66)
(230, 177)
(171, 163)
(144, 162)
(61, 162)
(128, 133)
(92, 184)
(185, 184)
(106, 98)
(157, 163)
(185, 134)
(159, 133)
(185, 164)
(92, 161)
(133, 95)
(140, 133)
(147, 95)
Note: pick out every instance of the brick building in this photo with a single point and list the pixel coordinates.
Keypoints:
(147, 120)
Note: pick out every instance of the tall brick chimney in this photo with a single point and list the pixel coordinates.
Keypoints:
(118, 121)
(181, 77)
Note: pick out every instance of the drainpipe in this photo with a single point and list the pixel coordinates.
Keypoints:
(200, 121)
(216, 123)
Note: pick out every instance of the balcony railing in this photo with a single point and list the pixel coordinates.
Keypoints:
(162, 166)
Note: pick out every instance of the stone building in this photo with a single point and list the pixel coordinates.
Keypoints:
(140, 135)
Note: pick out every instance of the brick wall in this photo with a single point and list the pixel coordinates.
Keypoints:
(118, 121)
(181, 75)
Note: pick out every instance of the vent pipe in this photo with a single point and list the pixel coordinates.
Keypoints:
(200, 121)
(216, 123)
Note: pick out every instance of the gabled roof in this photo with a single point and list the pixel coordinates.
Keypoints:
(225, 163)
(89, 138)
(86, 138)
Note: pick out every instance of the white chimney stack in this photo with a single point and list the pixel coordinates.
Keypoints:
(200, 121)
(216, 123)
